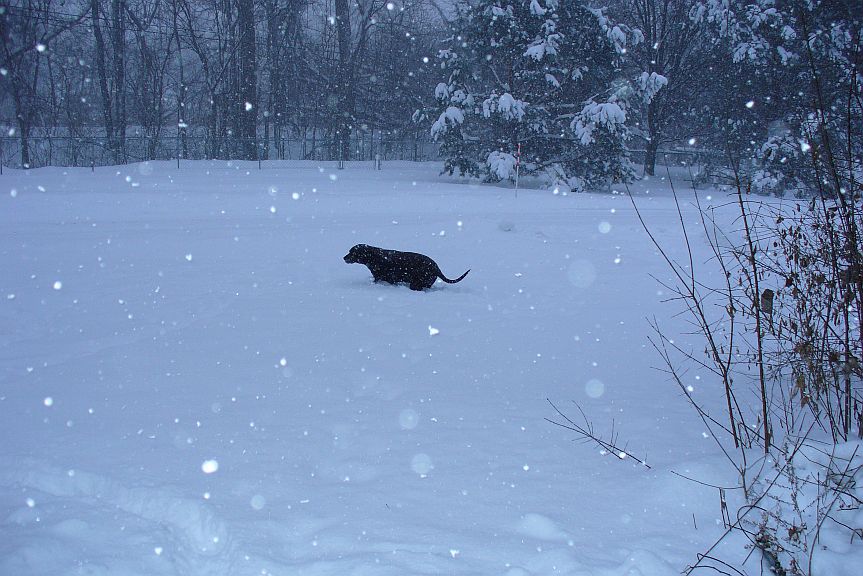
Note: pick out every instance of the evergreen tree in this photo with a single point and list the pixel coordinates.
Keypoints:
(801, 98)
(541, 75)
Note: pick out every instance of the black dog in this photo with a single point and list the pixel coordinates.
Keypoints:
(416, 270)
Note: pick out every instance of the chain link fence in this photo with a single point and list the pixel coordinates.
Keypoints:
(97, 151)
(94, 150)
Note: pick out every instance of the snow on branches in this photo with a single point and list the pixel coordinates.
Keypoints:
(508, 107)
(649, 84)
(518, 74)
(449, 118)
(608, 115)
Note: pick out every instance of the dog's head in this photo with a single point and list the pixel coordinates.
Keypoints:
(356, 254)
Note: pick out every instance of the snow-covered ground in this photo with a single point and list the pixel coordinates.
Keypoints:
(192, 381)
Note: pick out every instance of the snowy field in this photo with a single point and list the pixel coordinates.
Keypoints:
(193, 382)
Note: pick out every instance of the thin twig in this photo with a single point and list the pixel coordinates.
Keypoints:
(586, 431)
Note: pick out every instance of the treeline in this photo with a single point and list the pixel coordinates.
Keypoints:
(562, 88)
(569, 89)
(244, 75)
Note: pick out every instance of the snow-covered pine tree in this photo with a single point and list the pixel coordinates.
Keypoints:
(540, 73)
(801, 60)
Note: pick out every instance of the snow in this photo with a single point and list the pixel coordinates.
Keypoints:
(538, 51)
(263, 408)
(499, 12)
(606, 114)
(501, 165)
(506, 105)
(450, 117)
(536, 9)
(650, 85)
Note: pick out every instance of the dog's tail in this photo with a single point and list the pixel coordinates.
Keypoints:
(448, 281)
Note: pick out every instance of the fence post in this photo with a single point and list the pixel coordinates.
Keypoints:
(341, 155)
(517, 166)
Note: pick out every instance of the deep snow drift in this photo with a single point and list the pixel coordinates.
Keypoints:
(193, 382)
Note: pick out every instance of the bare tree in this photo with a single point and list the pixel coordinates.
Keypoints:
(149, 74)
(112, 73)
(182, 88)
(671, 47)
(246, 111)
(282, 44)
(232, 70)
(206, 30)
(27, 31)
(353, 43)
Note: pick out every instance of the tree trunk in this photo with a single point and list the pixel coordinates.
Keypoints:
(102, 71)
(181, 92)
(24, 130)
(652, 142)
(118, 89)
(344, 82)
(248, 100)
(23, 114)
(650, 157)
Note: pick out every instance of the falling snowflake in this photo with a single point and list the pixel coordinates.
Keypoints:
(594, 388)
(422, 464)
(408, 419)
(258, 502)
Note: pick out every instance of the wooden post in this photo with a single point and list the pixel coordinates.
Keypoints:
(517, 166)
